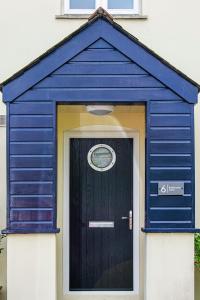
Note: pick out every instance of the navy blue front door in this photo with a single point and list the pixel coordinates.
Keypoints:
(101, 205)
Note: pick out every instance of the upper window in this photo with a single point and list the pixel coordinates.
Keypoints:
(113, 6)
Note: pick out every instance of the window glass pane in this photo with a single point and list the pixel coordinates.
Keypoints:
(82, 4)
(120, 4)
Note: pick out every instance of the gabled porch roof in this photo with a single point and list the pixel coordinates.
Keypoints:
(100, 26)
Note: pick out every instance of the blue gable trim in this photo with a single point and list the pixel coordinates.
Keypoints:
(118, 38)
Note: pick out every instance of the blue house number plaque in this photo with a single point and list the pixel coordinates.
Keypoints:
(169, 188)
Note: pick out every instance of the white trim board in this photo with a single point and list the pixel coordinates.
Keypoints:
(101, 131)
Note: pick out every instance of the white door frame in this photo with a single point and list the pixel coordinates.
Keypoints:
(101, 131)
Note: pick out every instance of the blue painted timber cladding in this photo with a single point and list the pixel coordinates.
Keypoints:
(32, 167)
(170, 157)
(99, 73)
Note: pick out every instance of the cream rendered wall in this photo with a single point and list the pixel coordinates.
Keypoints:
(31, 267)
(72, 117)
(169, 266)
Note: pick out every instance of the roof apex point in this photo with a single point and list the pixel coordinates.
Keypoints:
(99, 13)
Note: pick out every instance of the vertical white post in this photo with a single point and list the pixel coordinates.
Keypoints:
(31, 267)
(3, 204)
(169, 266)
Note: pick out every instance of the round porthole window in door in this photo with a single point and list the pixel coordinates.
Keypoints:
(101, 157)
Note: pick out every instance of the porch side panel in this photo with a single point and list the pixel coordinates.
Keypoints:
(170, 158)
(32, 167)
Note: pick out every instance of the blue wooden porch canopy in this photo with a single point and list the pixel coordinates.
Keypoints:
(99, 63)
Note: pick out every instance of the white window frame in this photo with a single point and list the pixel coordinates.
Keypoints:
(104, 4)
(102, 131)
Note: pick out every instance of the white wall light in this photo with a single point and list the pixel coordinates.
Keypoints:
(100, 110)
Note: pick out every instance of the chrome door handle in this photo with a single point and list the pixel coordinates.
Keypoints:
(130, 219)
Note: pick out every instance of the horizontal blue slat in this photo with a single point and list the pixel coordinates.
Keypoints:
(154, 188)
(111, 95)
(31, 121)
(32, 148)
(167, 148)
(171, 230)
(99, 55)
(31, 108)
(31, 227)
(170, 161)
(132, 81)
(31, 161)
(31, 135)
(31, 188)
(173, 108)
(171, 215)
(31, 174)
(170, 134)
(174, 174)
(31, 215)
(100, 69)
(31, 201)
(170, 201)
(171, 225)
(170, 120)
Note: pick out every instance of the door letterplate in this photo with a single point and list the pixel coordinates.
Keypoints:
(101, 224)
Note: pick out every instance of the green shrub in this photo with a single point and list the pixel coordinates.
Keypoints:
(197, 250)
(1, 237)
